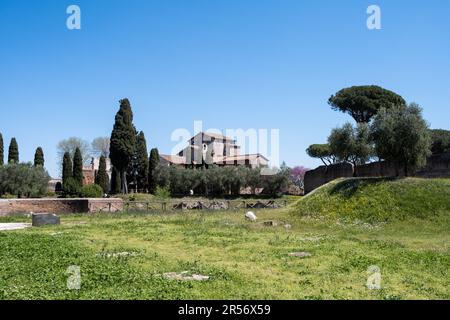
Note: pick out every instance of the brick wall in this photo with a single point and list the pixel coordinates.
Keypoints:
(438, 166)
(18, 206)
(321, 175)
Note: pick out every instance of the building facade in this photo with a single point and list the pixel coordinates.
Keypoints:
(205, 149)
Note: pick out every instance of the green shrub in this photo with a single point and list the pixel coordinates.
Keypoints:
(23, 180)
(162, 192)
(91, 191)
(71, 188)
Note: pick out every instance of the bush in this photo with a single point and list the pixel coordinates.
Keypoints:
(71, 188)
(440, 141)
(23, 180)
(162, 192)
(91, 191)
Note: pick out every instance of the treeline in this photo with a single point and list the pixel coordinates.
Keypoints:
(218, 181)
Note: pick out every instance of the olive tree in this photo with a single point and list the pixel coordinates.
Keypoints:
(23, 180)
(351, 143)
(401, 135)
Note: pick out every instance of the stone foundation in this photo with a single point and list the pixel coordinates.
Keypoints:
(21, 206)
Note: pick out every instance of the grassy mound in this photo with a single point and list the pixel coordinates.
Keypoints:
(378, 199)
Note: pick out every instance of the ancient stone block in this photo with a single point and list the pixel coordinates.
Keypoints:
(42, 219)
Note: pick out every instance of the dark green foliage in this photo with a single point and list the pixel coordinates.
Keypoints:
(91, 191)
(122, 144)
(440, 141)
(23, 180)
(67, 170)
(364, 102)
(322, 152)
(13, 154)
(39, 157)
(142, 163)
(78, 167)
(153, 163)
(2, 150)
(401, 135)
(220, 181)
(71, 188)
(115, 181)
(101, 178)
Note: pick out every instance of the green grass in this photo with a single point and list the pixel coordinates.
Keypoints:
(378, 199)
(244, 260)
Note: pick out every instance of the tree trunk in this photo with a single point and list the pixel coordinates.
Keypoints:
(406, 170)
(397, 173)
(123, 180)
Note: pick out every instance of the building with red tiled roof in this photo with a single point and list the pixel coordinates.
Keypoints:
(207, 148)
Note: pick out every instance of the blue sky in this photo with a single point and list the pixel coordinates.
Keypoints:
(229, 63)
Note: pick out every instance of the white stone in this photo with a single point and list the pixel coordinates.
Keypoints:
(185, 276)
(14, 226)
(300, 254)
(250, 216)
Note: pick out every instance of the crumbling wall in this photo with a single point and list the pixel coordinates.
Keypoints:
(438, 166)
(18, 206)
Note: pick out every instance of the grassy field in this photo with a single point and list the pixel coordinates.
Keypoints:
(244, 260)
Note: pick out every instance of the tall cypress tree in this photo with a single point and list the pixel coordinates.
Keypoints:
(66, 169)
(1, 150)
(39, 157)
(13, 154)
(153, 163)
(123, 139)
(142, 161)
(78, 167)
(115, 181)
(101, 178)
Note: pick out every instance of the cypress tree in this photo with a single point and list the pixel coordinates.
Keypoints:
(142, 162)
(115, 181)
(66, 169)
(153, 163)
(1, 150)
(101, 178)
(13, 154)
(78, 167)
(39, 157)
(123, 140)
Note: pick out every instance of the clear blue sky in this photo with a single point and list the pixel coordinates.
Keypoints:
(230, 63)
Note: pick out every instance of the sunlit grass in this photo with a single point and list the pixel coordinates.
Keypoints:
(244, 260)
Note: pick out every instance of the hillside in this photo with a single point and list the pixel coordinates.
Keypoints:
(377, 199)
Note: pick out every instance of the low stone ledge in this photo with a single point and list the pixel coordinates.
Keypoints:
(59, 205)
